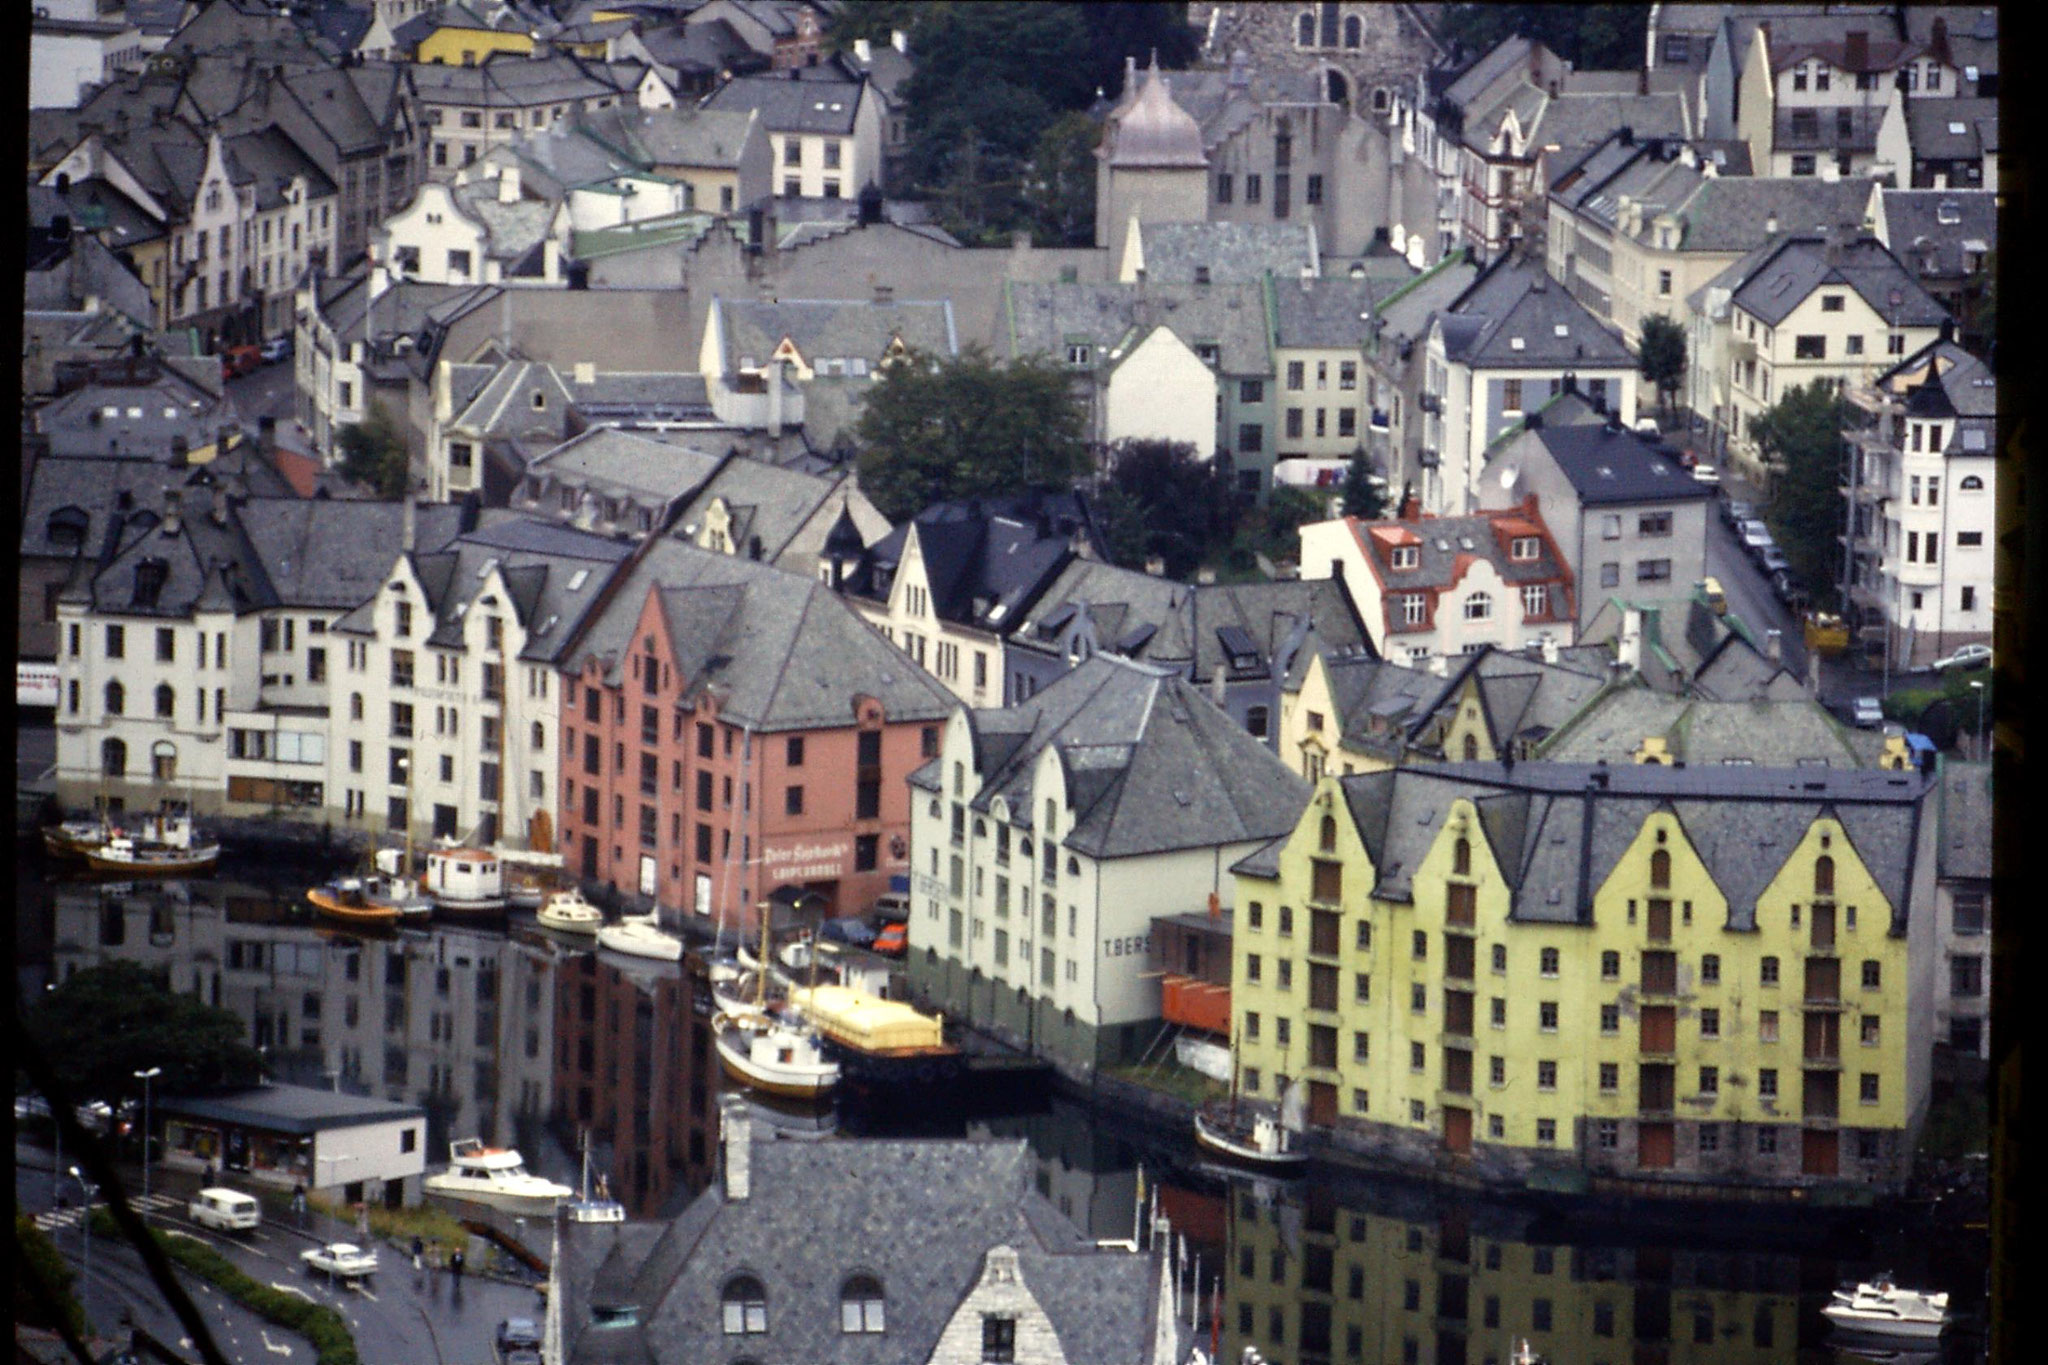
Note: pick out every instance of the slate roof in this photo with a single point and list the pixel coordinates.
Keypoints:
(1575, 120)
(1376, 702)
(1687, 647)
(1150, 766)
(1043, 317)
(1515, 300)
(610, 462)
(1523, 697)
(1956, 129)
(1613, 169)
(783, 650)
(1558, 834)
(920, 1216)
(1962, 386)
(1445, 545)
(1150, 130)
(680, 136)
(1927, 229)
(1608, 465)
(510, 230)
(138, 420)
(833, 329)
(766, 502)
(290, 1108)
(1792, 733)
(1335, 311)
(515, 82)
(1776, 278)
(1735, 213)
(1965, 843)
(800, 100)
(986, 559)
(1403, 316)
(1234, 253)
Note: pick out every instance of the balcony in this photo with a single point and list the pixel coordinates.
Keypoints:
(1429, 402)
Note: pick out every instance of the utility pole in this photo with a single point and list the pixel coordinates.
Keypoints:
(146, 1077)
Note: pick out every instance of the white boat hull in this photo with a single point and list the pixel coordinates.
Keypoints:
(542, 1204)
(1223, 1143)
(1867, 1324)
(568, 924)
(793, 1081)
(640, 942)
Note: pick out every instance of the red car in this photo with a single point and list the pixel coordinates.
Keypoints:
(237, 361)
(893, 941)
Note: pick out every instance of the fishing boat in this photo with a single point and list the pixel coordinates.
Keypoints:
(162, 844)
(1879, 1308)
(731, 985)
(466, 883)
(496, 1176)
(585, 1208)
(568, 912)
(349, 900)
(74, 838)
(641, 936)
(769, 1052)
(1254, 1133)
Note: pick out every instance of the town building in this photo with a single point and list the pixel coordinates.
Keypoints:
(1049, 834)
(948, 585)
(1679, 645)
(352, 350)
(477, 232)
(720, 157)
(1626, 514)
(1643, 912)
(825, 129)
(936, 1250)
(807, 523)
(139, 409)
(359, 1150)
(1802, 307)
(1320, 413)
(1963, 899)
(1448, 585)
(770, 730)
(465, 111)
(1945, 238)
(1397, 369)
(1635, 723)
(71, 54)
(1921, 488)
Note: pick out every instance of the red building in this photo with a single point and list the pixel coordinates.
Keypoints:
(728, 728)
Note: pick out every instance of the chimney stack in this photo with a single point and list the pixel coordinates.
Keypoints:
(508, 185)
(409, 527)
(1774, 645)
(1856, 49)
(736, 1135)
(173, 517)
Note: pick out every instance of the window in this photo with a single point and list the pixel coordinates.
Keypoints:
(1965, 976)
(1251, 189)
(746, 1306)
(1500, 957)
(1546, 1075)
(1872, 974)
(860, 1305)
(1866, 1089)
(1810, 348)
(1251, 437)
(1294, 423)
(1610, 1019)
(1710, 1023)
(1412, 608)
(1802, 163)
(1710, 969)
(1767, 1023)
(1511, 395)
(1313, 194)
(1610, 575)
(1251, 391)
(1710, 1080)
(1548, 960)
(1406, 556)
(1223, 183)
(1610, 1078)
(1610, 966)
(1664, 282)
(1653, 571)
(1546, 1016)
(1296, 371)
(1653, 524)
(1478, 606)
(1498, 1012)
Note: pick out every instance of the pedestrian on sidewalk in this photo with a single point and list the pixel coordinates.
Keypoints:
(299, 1199)
(455, 1265)
(417, 1247)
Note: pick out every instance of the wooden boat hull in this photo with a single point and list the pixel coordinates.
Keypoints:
(60, 842)
(1214, 1139)
(362, 916)
(178, 863)
(742, 1068)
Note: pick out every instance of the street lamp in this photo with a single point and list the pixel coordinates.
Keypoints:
(85, 1228)
(146, 1077)
(1977, 686)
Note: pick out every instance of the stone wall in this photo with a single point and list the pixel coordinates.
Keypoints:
(999, 1293)
(1393, 47)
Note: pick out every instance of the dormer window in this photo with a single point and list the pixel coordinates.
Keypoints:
(1524, 549)
(540, 401)
(1407, 556)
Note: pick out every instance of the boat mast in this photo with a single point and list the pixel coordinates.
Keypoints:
(761, 970)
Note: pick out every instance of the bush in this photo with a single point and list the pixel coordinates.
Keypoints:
(52, 1272)
(320, 1325)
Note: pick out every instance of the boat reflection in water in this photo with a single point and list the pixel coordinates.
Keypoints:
(529, 1039)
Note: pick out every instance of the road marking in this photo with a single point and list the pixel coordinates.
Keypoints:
(292, 1289)
(273, 1347)
(361, 1290)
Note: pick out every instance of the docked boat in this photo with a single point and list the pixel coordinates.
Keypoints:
(1880, 1308)
(75, 838)
(569, 913)
(349, 900)
(1254, 1133)
(732, 986)
(774, 1054)
(145, 858)
(641, 936)
(530, 877)
(496, 1176)
(466, 883)
(879, 1040)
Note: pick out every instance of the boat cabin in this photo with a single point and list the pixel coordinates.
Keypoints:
(465, 874)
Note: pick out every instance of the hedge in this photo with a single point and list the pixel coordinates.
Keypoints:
(53, 1271)
(320, 1325)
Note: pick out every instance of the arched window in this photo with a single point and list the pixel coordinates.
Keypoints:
(746, 1306)
(1660, 870)
(355, 706)
(540, 735)
(1478, 606)
(860, 1304)
(1329, 834)
(1305, 30)
(1471, 747)
(1354, 31)
(166, 701)
(114, 758)
(1971, 484)
(117, 698)
(1338, 89)
(1461, 858)
(1823, 876)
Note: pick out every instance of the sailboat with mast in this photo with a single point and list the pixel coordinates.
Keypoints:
(769, 1051)
(1255, 1132)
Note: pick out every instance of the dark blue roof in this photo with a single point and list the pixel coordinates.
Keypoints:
(1608, 465)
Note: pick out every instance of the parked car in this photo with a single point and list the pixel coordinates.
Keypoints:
(893, 941)
(891, 907)
(518, 1342)
(1735, 512)
(237, 361)
(1772, 561)
(1707, 474)
(276, 349)
(340, 1260)
(1754, 536)
(857, 932)
(1969, 656)
(1867, 712)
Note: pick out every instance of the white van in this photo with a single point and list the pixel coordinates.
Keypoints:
(227, 1210)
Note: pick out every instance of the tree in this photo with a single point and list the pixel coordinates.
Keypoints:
(373, 453)
(1362, 497)
(936, 429)
(1590, 37)
(103, 1024)
(1160, 499)
(1802, 436)
(1662, 356)
(1059, 183)
(875, 20)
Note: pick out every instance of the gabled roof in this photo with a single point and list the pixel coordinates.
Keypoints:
(1776, 278)
(1447, 546)
(1794, 732)
(606, 460)
(799, 100)
(768, 504)
(1608, 465)
(1941, 379)
(1931, 230)
(678, 136)
(1958, 129)
(1044, 318)
(986, 559)
(516, 82)
(1515, 316)
(1331, 312)
(833, 329)
(1149, 764)
(1740, 213)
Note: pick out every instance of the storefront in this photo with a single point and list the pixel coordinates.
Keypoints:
(353, 1147)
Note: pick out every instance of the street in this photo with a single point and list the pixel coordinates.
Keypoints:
(400, 1316)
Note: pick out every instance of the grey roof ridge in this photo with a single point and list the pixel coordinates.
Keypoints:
(811, 591)
(1450, 258)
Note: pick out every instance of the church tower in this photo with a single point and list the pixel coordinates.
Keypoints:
(1150, 165)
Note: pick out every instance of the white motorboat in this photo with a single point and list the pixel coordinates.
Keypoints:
(568, 912)
(1253, 1133)
(1880, 1308)
(732, 986)
(496, 1176)
(773, 1054)
(641, 936)
(466, 882)
(341, 1260)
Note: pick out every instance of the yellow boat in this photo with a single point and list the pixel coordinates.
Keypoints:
(348, 900)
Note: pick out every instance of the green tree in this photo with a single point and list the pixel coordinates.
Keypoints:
(876, 20)
(1162, 499)
(1287, 510)
(1662, 356)
(1059, 183)
(937, 429)
(1590, 37)
(43, 1271)
(104, 1023)
(1362, 497)
(1802, 436)
(373, 454)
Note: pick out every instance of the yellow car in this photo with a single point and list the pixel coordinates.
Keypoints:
(1710, 590)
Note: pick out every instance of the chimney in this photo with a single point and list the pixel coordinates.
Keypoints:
(1549, 650)
(1937, 40)
(409, 527)
(1771, 225)
(775, 398)
(736, 1136)
(1215, 906)
(1774, 645)
(1856, 49)
(1626, 136)
(1308, 278)
(899, 40)
(863, 51)
(508, 185)
(173, 518)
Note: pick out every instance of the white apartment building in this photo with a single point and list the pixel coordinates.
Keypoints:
(1034, 881)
